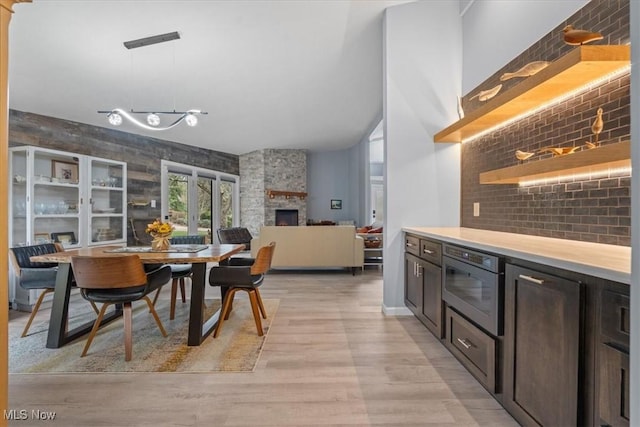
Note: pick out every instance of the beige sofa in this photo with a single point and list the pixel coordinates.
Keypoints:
(312, 246)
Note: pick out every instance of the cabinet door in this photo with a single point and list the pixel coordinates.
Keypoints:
(614, 386)
(541, 348)
(431, 276)
(412, 284)
(108, 202)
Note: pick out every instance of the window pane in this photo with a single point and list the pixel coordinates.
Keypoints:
(178, 202)
(205, 191)
(226, 204)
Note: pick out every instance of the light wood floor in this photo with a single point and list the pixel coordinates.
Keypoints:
(331, 358)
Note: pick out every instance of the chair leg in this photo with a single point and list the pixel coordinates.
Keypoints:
(128, 346)
(256, 310)
(225, 309)
(94, 330)
(184, 299)
(94, 306)
(229, 296)
(155, 299)
(35, 311)
(259, 298)
(154, 313)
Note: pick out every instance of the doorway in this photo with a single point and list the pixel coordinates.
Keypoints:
(197, 200)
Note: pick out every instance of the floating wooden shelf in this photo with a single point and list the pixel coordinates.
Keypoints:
(574, 70)
(287, 194)
(610, 156)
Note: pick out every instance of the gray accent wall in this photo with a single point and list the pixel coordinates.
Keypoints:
(335, 175)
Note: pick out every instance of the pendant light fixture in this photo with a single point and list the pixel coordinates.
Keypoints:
(153, 119)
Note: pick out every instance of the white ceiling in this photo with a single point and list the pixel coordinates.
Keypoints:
(271, 74)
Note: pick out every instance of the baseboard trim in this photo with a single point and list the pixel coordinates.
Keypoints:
(396, 311)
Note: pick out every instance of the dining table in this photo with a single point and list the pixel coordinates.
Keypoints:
(196, 255)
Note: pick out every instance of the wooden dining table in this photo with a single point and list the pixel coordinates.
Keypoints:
(199, 327)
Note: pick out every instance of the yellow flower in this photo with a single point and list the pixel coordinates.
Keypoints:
(160, 227)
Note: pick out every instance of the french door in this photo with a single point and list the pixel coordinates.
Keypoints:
(197, 200)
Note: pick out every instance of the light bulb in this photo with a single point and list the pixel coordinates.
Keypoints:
(153, 119)
(115, 119)
(191, 120)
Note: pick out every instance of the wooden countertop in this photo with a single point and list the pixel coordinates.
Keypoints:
(609, 262)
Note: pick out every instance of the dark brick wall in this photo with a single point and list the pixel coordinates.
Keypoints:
(594, 208)
(142, 154)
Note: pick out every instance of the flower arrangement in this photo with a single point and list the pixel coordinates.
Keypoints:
(161, 232)
(159, 227)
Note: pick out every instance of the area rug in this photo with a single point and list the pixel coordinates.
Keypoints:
(236, 349)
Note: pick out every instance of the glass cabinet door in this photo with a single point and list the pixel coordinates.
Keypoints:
(18, 226)
(55, 198)
(107, 213)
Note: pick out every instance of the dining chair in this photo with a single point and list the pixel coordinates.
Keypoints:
(243, 274)
(36, 275)
(117, 280)
(180, 272)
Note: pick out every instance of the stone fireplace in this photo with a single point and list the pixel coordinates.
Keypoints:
(271, 169)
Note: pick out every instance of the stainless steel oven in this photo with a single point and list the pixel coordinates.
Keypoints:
(473, 285)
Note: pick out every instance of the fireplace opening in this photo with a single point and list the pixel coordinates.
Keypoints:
(286, 216)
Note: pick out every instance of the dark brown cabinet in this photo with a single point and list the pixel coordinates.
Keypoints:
(542, 347)
(412, 284)
(423, 282)
(613, 353)
(475, 349)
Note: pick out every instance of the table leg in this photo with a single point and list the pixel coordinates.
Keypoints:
(199, 327)
(58, 335)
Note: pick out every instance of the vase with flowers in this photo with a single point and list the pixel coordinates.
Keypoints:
(161, 233)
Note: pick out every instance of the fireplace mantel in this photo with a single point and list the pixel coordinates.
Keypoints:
(287, 194)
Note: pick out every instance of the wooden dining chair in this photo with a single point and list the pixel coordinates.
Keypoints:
(117, 280)
(243, 274)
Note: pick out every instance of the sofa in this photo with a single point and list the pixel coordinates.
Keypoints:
(312, 247)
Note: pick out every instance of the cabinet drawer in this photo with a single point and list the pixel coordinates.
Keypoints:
(412, 245)
(475, 349)
(431, 251)
(615, 317)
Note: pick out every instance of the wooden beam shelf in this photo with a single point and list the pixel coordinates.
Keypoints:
(611, 156)
(288, 194)
(578, 68)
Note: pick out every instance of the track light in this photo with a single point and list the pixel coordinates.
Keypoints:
(153, 120)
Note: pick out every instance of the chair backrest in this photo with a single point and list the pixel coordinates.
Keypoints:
(123, 271)
(194, 239)
(138, 227)
(262, 263)
(20, 256)
(234, 235)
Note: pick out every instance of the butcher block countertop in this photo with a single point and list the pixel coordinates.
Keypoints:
(609, 262)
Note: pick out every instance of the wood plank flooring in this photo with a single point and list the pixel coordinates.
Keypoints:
(331, 358)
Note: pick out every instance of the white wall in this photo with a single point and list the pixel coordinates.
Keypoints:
(496, 31)
(635, 219)
(422, 77)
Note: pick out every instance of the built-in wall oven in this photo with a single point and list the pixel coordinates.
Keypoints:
(473, 285)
